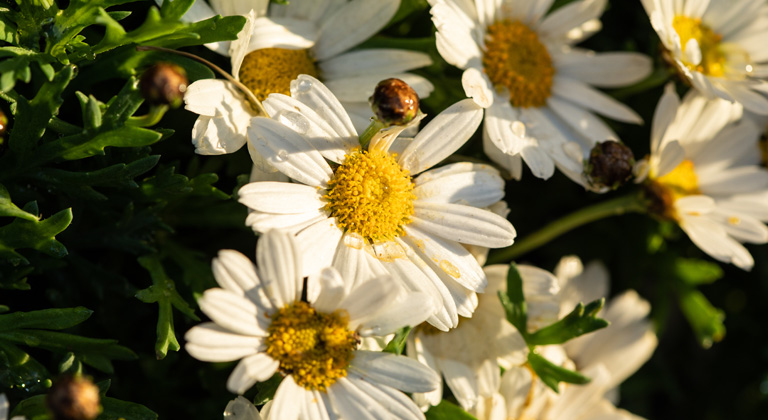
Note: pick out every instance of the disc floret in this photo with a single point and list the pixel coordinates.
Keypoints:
(270, 70)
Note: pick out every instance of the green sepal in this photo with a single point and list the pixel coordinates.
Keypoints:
(551, 374)
(397, 343)
(447, 411)
(266, 390)
(38, 235)
(163, 292)
(582, 320)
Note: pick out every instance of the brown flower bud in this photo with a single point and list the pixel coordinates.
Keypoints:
(610, 164)
(73, 398)
(394, 102)
(164, 84)
(3, 123)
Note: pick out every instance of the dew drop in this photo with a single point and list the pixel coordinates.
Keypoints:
(354, 240)
(518, 129)
(281, 155)
(292, 120)
(303, 85)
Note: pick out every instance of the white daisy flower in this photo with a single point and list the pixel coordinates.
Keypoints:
(379, 210)
(704, 173)
(303, 37)
(537, 89)
(718, 45)
(522, 396)
(622, 347)
(263, 320)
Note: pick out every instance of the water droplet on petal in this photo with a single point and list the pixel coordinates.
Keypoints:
(518, 128)
(354, 240)
(304, 85)
(292, 120)
(281, 155)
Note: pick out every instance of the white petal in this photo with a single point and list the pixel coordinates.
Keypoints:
(463, 224)
(284, 406)
(394, 402)
(462, 381)
(582, 94)
(213, 97)
(262, 222)
(212, 343)
(613, 69)
(712, 239)
(663, 117)
(670, 158)
(241, 409)
(558, 23)
(360, 88)
(503, 127)
(256, 368)
(281, 197)
(357, 21)
(326, 290)
(442, 136)
(410, 310)
(352, 403)
(472, 184)
(362, 62)
(285, 33)
(541, 164)
(477, 86)
(233, 312)
(218, 135)
(318, 244)
(239, 7)
(280, 267)
(368, 298)
(314, 94)
(399, 372)
(289, 152)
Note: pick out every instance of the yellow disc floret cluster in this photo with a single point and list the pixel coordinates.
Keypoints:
(270, 70)
(713, 59)
(314, 348)
(517, 60)
(371, 195)
(680, 182)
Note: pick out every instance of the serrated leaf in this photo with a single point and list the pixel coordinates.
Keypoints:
(163, 292)
(19, 370)
(513, 301)
(174, 10)
(38, 235)
(15, 65)
(447, 411)
(8, 209)
(31, 117)
(8, 29)
(695, 272)
(581, 320)
(705, 319)
(52, 319)
(551, 374)
(397, 343)
(75, 147)
(125, 62)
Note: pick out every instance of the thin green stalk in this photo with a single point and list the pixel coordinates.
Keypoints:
(374, 127)
(632, 203)
(154, 116)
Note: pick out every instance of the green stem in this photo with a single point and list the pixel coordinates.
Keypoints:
(632, 203)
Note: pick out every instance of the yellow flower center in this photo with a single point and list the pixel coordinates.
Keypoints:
(270, 70)
(371, 195)
(314, 348)
(713, 58)
(517, 60)
(680, 182)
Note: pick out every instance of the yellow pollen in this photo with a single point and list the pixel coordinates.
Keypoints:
(315, 348)
(680, 182)
(270, 70)
(371, 195)
(515, 59)
(713, 59)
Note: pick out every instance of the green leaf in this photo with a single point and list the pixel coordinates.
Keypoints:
(267, 389)
(8, 29)
(33, 408)
(695, 272)
(115, 409)
(513, 301)
(163, 292)
(397, 343)
(705, 319)
(448, 411)
(175, 9)
(19, 370)
(38, 235)
(15, 65)
(552, 374)
(53, 319)
(582, 320)
(75, 147)
(31, 117)
(7, 208)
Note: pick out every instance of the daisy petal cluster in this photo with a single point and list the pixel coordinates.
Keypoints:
(260, 318)
(538, 90)
(704, 173)
(718, 46)
(379, 209)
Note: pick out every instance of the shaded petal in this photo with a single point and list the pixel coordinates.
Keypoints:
(284, 405)
(613, 69)
(326, 290)
(233, 312)
(399, 372)
(285, 33)
(318, 97)
(382, 61)
(256, 368)
(352, 24)
(210, 342)
(463, 224)
(280, 267)
(586, 96)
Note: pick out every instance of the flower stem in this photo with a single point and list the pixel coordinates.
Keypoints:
(154, 116)
(371, 131)
(633, 203)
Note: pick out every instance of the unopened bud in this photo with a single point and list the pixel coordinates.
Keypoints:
(73, 398)
(164, 84)
(394, 102)
(610, 164)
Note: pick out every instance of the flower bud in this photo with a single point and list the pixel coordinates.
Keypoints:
(394, 102)
(3, 123)
(164, 84)
(610, 164)
(73, 398)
